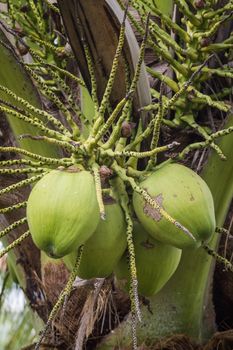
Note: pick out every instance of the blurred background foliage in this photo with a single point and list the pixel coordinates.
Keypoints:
(19, 326)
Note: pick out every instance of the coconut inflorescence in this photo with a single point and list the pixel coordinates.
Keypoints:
(66, 208)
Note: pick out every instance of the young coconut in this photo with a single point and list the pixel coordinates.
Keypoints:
(63, 211)
(155, 262)
(186, 197)
(105, 247)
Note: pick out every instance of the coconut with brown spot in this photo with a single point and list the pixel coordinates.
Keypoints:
(185, 196)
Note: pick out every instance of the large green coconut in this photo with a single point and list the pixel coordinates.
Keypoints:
(155, 263)
(62, 211)
(184, 196)
(105, 247)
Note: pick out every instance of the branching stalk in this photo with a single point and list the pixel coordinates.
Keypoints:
(14, 244)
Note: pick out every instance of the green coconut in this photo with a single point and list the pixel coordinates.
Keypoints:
(105, 247)
(62, 211)
(155, 263)
(183, 195)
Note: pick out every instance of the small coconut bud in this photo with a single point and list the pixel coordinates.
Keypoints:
(23, 49)
(127, 128)
(105, 173)
(205, 42)
(199, 4)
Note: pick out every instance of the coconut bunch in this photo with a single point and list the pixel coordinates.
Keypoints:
(97, 206)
